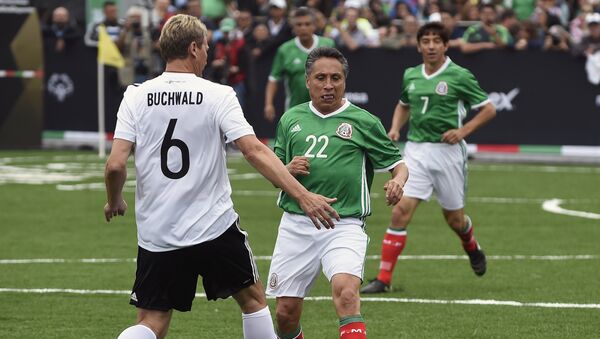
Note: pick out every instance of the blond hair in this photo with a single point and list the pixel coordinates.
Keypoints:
(178, 33)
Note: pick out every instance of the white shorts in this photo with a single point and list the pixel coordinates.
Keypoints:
(438, 168)
(301, 250)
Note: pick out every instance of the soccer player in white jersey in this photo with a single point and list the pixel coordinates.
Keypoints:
(332, 147)
(178, 124)
(436, 96)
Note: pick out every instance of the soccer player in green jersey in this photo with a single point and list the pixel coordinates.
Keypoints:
(436, 96)
(332, 147)
(289, 62)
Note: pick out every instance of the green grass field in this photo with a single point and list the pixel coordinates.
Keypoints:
(543, 277)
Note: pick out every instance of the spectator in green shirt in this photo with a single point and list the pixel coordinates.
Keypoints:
(486, 34)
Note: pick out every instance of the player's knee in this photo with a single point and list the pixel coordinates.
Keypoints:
(347, 301)
(157, 321)
(455, 221)
(287, 315)
(251, 299)
(400, 216)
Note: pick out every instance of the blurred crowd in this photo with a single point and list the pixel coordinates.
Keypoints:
(244, 31)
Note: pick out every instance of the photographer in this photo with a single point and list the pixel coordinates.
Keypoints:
(136, 49)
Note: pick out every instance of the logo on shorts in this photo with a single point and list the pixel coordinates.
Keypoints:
(273, 280)
(134, 297)
(344, 130)
(441, 88)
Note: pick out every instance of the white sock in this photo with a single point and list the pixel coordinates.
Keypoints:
(258, 325)
(137, 332)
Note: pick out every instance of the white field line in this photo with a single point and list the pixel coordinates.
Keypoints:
(375, 195)
(490, 302)
(534, 169)
(238, 159)
(553, 206)
(268, 257)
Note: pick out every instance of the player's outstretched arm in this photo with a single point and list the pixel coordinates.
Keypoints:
(394, 188)
(316, 207)
(115, 175)
(486, 113)
(270, 92)
(399, 119)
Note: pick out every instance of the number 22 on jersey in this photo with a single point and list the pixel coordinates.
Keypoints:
(322, 141)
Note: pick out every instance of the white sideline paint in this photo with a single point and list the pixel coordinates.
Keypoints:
(268, 257)
(553, 206)
(490, 302)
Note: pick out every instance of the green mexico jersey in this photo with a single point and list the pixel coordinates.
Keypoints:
(343, 148)
(289, 65)
(440, 101)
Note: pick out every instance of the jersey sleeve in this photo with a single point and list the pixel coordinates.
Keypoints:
(280, 141)
(277, 68)
(230, 118)
(125, 128)
(404, 93)
(381, 151)
(471, 92)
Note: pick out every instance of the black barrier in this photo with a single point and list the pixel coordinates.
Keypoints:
(541, 97)
(71, 96)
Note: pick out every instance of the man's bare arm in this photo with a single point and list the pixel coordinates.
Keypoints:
(315, 206)
(115, 175)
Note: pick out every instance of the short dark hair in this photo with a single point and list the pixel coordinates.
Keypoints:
(108, 3)
(435, 28)
(508, 13)
(325, 52)
(488, 5)
(303, 11)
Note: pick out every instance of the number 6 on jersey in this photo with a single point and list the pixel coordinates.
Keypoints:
(167, 143)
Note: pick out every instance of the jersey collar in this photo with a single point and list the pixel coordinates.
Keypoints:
(324, 116)
(436, 73)
(304, 49)
(179, 74)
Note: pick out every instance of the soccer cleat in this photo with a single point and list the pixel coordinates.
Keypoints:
(375, 286)
(478, 261)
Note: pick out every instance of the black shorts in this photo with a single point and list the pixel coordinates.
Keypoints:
(168, 280)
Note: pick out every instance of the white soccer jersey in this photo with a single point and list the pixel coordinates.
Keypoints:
(180, 124)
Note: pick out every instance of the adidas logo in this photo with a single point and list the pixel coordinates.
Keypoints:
(134, 297)
(297, 61)
(296, 128)
(411, 87)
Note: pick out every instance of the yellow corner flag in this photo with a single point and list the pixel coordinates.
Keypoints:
(108, 53)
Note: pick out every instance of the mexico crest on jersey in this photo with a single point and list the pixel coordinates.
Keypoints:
(344, 130)
(441, 88)
(273, 280)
